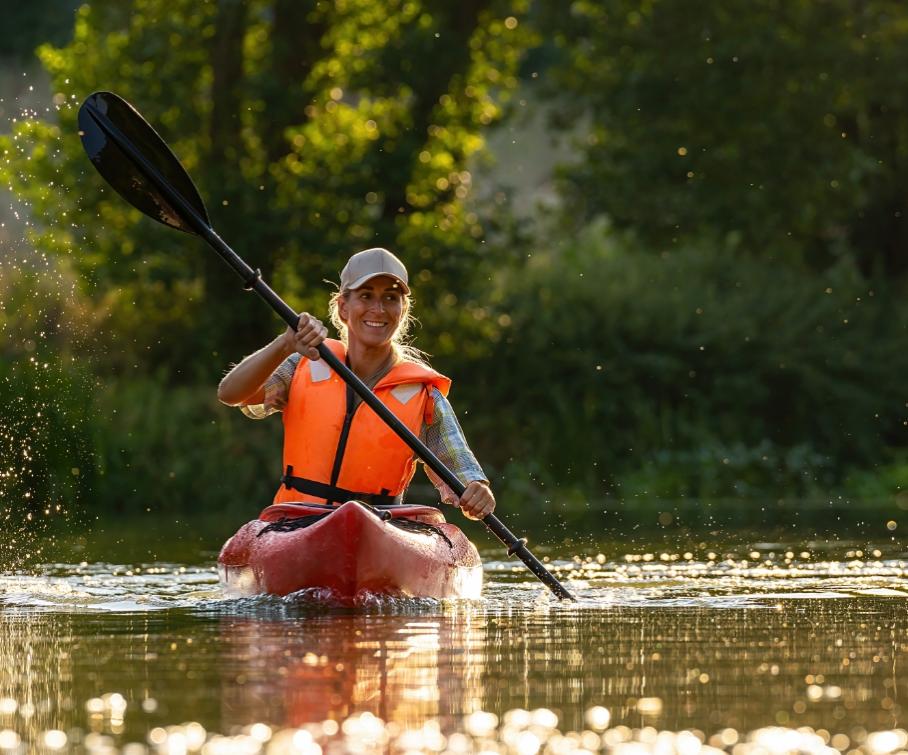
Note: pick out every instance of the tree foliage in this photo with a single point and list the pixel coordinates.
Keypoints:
(781, 123)
(27, 25)
(45, 424)
(702, 371)
(720, 321)
(312, 128)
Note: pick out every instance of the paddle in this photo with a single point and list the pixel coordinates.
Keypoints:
(137, 163)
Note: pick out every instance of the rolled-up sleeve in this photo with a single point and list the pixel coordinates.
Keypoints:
(277, 390)
(444, 438)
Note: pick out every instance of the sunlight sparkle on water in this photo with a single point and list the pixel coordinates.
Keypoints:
(648, 645)
(521, 732)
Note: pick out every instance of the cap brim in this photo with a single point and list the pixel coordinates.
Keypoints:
(361, 281)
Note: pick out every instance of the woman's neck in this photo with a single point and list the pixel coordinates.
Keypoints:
(366, 362)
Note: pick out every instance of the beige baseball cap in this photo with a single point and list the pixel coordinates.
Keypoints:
(371, 263)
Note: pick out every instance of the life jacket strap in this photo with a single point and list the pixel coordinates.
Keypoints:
(334, 494)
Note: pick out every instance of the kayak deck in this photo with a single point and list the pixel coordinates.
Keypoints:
(351, 550)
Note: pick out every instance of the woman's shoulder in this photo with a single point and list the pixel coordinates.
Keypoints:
(408, 370)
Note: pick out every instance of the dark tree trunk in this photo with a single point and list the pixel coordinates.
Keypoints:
(296, 37)
(236, 329)
(227, 86)
(880, 238)
(431, 81)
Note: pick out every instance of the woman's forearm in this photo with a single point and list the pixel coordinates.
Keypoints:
(244, 384)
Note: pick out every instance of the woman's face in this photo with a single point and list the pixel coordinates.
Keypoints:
(373, 311)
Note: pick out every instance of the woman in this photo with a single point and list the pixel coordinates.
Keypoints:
(335, 449)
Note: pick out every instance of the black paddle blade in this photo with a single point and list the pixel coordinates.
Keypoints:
(135, 161)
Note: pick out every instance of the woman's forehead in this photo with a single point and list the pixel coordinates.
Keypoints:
(382, 283)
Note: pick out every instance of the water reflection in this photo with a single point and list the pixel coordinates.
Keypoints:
(406, 669)
(724, 644)
(36, 674)
(814, 663)
(791, 662)
(465, 675)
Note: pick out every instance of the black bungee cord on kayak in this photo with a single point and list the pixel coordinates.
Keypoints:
(293, 523)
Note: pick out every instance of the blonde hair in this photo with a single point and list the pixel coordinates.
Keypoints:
(400, 342)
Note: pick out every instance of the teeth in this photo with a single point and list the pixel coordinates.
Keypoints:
(373, 324)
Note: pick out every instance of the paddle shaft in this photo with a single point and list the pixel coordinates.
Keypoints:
(254, 282)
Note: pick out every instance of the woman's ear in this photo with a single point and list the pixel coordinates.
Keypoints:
(342, 308)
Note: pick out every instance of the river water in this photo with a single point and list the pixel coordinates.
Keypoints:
(750, 648)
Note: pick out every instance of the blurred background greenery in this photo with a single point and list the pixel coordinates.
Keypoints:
(661, 247)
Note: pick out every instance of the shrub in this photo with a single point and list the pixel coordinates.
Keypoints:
(45, 418)
(178, 450)
(614, 363)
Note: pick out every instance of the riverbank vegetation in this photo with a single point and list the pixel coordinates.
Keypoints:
(708, 306)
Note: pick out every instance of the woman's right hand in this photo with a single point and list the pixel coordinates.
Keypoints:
(309, 333)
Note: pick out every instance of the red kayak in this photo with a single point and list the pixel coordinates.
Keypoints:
(351, 550)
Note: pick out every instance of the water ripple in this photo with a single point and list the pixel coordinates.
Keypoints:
(750, 579)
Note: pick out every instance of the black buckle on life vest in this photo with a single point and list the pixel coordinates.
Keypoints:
(336, 494)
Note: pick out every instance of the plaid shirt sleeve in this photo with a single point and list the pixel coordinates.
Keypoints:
(444, 437)
(277, 390)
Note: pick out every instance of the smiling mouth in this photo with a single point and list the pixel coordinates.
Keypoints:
(374, 323)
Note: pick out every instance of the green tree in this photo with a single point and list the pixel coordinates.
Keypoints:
(702, 371)
(781, 123)
(312, 129)
(45, 421)
(26, 25)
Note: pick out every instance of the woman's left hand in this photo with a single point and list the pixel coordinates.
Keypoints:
(477, 501)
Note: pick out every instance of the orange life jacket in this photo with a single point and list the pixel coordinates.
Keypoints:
(371, 459)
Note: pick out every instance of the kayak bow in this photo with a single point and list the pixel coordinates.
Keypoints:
(351, 550)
